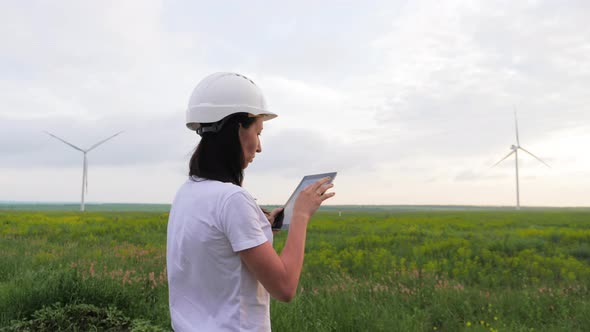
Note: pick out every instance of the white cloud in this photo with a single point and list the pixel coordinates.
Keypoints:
(410, 101)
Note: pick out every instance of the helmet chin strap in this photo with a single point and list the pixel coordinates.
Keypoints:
(213, 128)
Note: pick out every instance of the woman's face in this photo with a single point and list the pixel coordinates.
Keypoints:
(250, 140)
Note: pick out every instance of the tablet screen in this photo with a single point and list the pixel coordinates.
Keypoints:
(306, 181)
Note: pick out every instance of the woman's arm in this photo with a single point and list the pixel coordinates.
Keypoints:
(280, 274)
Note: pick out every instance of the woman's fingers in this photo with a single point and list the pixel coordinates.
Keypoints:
(324, 187)
(327, 196)
(315, 186)
(274, 212)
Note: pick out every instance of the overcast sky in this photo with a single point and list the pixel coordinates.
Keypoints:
(410, 101)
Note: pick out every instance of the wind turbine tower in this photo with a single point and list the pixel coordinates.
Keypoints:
(514, 151)
(85, 164)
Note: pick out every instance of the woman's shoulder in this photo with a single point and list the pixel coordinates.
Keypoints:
(200, 194)
(213, 187)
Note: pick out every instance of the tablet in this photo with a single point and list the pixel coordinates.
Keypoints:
(283, 219)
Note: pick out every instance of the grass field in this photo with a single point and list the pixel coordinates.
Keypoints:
(365, 271)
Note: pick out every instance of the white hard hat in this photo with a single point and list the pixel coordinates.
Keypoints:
(221, 94)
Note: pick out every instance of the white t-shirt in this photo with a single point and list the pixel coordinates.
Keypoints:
(210, 288)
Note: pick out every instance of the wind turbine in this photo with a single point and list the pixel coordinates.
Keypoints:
(85, 165)
(514, 151)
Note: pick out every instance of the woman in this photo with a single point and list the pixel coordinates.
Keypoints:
(220, 260)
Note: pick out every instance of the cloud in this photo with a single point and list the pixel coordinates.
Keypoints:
(455, 71)
(407, 98)
(470, 175)
(298, 151)
(145, 140)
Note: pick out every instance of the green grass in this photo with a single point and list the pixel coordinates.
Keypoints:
(92, 207)
(377, 270)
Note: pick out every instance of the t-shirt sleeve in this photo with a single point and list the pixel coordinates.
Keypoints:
(240, 222)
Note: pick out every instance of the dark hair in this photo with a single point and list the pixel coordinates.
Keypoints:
(219, 155)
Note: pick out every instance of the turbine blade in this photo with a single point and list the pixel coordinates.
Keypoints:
(516, 126)
(104, 140)
(508, 155)
(68, 143)
(539, 159)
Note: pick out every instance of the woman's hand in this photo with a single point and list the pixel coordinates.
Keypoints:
(272, 215)
(310, 198)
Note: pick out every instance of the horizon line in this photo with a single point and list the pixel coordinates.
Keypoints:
(326, 205)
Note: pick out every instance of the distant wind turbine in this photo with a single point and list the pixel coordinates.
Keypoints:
(514, 151)
(85, 165)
